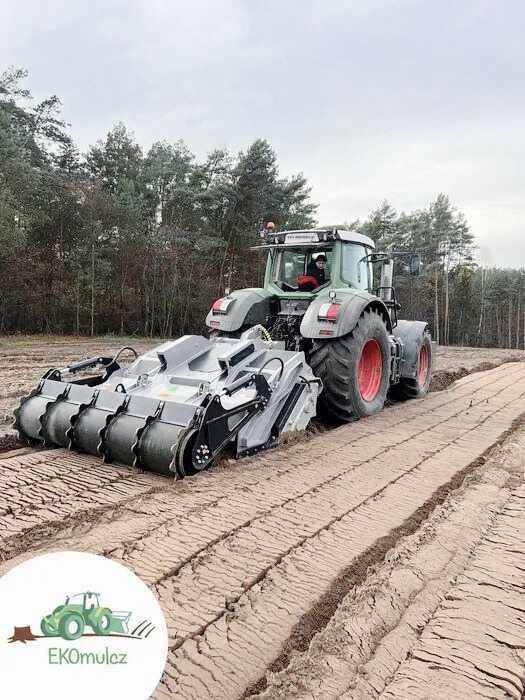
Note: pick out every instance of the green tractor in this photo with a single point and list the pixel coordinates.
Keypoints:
(83, 609)
(329, 293)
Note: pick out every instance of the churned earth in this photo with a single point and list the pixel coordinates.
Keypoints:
(381, 558)
(443, 615)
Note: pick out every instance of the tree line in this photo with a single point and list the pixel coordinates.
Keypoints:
(465, 304)
(119, 240)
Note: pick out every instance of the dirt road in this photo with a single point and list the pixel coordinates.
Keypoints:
(264, 563)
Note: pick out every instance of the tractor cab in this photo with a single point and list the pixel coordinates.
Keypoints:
(305, 270)
(294, 261)
(87, 601)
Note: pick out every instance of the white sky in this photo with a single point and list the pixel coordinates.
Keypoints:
(395, 99)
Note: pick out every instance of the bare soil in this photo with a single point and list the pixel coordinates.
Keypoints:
(24, 359)
(442, 615)
(452, 363)
(383, 557)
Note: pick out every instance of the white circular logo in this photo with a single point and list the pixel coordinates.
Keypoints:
(78, 625)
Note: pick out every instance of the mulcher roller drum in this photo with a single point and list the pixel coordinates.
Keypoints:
(177, 407)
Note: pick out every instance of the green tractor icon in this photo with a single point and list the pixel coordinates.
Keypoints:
(83, 609)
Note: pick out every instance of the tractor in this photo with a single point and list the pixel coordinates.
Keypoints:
(80, 610)
(347, 327)
(319, 337)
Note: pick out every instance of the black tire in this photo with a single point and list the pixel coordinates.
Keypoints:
(416, 388)
(336, 362)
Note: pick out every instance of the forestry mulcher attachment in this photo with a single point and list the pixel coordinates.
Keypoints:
(316, 330)
(177, 407)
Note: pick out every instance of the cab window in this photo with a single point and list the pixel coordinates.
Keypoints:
(355, 268)
(290, 264)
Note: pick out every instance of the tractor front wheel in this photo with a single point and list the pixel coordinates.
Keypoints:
(71, 626)
(354, 369)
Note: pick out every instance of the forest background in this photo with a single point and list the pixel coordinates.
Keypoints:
(132, 243)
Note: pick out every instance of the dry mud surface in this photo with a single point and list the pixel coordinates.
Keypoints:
(357, 563)
(24, 359)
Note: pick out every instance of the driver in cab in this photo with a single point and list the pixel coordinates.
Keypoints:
(317, 268)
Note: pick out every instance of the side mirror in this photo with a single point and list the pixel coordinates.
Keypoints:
(415, 265)
(375, 258)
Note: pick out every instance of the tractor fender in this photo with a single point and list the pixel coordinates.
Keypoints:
(411, 334)
(245, 307)
(353, 302)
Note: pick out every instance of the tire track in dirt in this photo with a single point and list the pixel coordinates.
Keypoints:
(56, 482)
(247, 636)
(367, 649)
(352, 493)
(474, 645)
(196, 499)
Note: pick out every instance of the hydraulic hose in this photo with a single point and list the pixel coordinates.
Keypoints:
(123, 349)
(273, 359)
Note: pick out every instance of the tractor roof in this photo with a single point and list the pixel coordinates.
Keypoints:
(312, 237)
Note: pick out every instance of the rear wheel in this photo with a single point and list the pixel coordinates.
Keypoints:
(101, 621)
(354, 369)
(415, 388)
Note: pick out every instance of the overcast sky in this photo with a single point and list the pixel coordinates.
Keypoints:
(370, 99)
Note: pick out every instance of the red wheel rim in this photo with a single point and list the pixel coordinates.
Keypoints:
(422, 371)
(370, 370)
